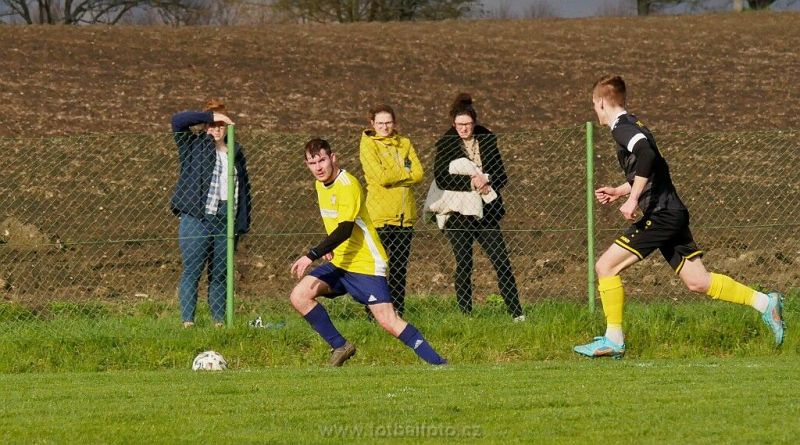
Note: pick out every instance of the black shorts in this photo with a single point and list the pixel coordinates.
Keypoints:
(666, 230)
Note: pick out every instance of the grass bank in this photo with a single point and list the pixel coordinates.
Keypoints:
(149, 336)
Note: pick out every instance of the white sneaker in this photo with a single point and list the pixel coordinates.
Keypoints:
(519, 319)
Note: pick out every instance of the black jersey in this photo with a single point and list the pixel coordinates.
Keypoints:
(639, 156)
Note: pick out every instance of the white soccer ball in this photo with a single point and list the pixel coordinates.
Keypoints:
(209, 361)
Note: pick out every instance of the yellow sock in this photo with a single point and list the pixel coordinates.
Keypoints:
(613, 296)
(726, 288)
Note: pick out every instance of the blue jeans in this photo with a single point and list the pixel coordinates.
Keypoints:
(203, 241)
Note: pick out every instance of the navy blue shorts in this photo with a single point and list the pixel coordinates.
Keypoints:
(366, 289)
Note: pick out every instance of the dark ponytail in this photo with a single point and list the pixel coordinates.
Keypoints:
(463, 105)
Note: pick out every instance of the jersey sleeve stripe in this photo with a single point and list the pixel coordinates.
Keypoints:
(638, 137)
(343, 178)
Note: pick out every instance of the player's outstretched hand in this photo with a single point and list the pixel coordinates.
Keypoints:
(606, 194)
(300, 266)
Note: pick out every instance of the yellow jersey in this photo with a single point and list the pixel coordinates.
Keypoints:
(343, 200)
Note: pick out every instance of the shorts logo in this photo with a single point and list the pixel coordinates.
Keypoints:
(372, 298)
(417, 343)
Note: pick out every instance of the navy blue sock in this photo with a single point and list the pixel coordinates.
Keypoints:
(319, 320)
(414, 340)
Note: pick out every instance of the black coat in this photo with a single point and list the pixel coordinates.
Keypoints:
(449, 147)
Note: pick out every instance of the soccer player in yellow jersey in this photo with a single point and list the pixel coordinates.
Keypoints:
(358, 261)
(664, 225)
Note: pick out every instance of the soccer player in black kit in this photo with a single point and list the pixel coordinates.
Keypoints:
(664, 225)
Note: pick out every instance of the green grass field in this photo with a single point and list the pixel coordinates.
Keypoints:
(750, 400)
(699, 372)
(150, 337)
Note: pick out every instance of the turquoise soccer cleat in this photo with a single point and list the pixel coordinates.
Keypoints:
(773, 316)
(601, 347)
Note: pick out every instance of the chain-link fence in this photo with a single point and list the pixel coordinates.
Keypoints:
(85, 222)
(742, 193)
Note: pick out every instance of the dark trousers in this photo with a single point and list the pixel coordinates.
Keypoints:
(396, 241)
(462, 231)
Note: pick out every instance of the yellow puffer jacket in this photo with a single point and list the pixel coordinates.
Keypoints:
(391, 168)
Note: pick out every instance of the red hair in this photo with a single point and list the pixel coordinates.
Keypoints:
(215, 105)
(610, 88)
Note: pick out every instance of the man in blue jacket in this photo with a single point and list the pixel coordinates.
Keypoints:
(200, 201)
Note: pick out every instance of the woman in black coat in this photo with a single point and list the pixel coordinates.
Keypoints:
(467, 139)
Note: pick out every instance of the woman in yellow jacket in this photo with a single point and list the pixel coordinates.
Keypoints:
(391, 168)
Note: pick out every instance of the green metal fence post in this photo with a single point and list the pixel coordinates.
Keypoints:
(229, 225)
(590, 286)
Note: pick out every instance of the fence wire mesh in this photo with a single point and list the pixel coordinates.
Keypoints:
(86, 226)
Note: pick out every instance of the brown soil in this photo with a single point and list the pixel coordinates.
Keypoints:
(709, 72)
(101, 199)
